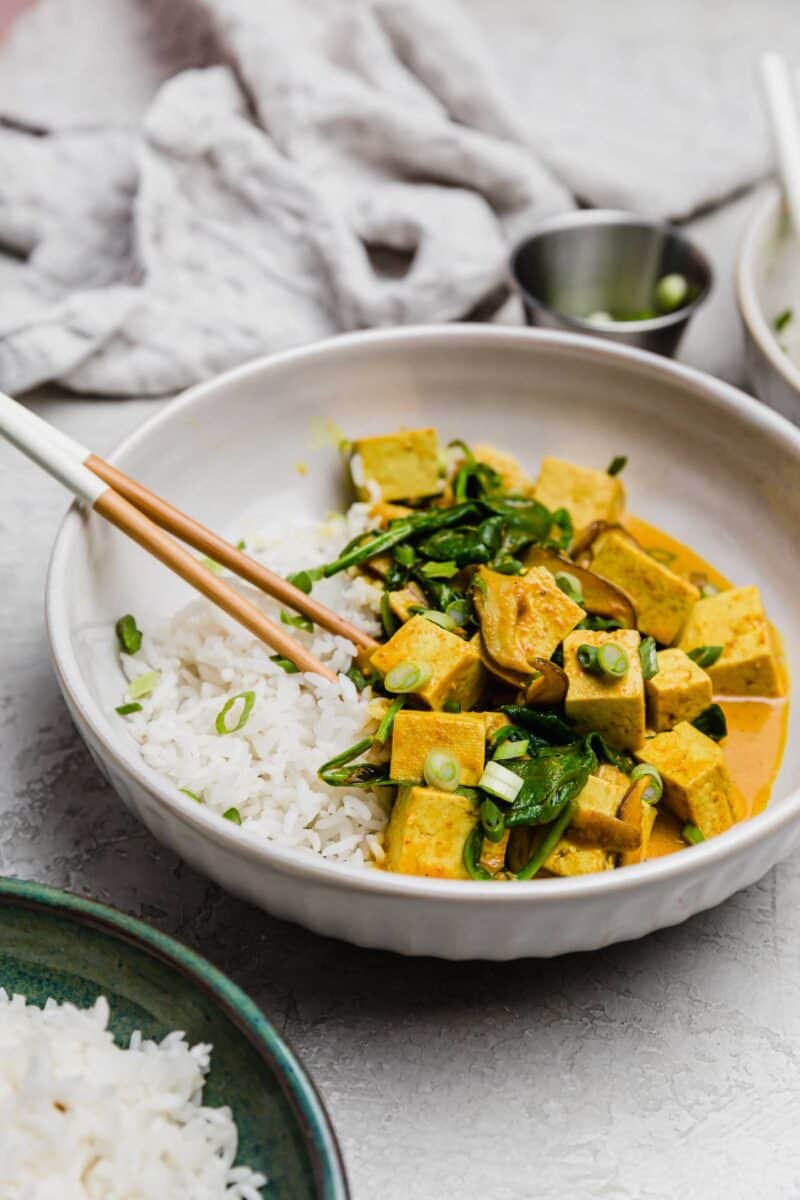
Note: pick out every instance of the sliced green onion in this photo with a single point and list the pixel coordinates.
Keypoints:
(493, 821)
(709, 589)
(130, 638)
(213, 566)
(672, 292)
(406, 677)
(508, 749)
(439, 618)
(388, 619)
(690, 833)
(385, 727)
(296, 620)
(442, 770)
(232, 814)
(240, 545)
(655, 789)
(548, 842)
(587, 657)
(192, 795)
(304, 580)
(570, 585)
(405, 554)
(472, 855)
(499, 781)
(647, 656)
(705, 656)
(451, 706)
(249, 699)
(357, 676)
(125, 709)
(459, 612)
(612, 660)
(144, 685)
(617, 464)
(285, 664)
(782, 320)
(439, 570)
(606, 659)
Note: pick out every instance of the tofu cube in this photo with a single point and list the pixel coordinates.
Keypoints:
(456, 672)
(415, 734)
(494, 722)
(523, 616)
(662, 599)
(400, 466)
(678, 692)
(749, 664)
(574, 858)
(697, 785)
(588, 495)
(642, 816)
(427, 831)
(514, 478)
(614, 707)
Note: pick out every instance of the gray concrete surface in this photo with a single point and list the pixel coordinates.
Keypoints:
(664, 1068)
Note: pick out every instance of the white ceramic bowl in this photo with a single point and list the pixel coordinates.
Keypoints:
(766, 284)
(714, 467)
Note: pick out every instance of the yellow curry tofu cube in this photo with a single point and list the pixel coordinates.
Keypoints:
(662, 599)
(456, 672)
(404, 465)
(697, 785)
(513, 477)
(614, 707)
(427, 831)
(523, 616)
(494, 722)
(749, 663)
(573, 858)
(588, 495)
(679, 691)
(415, 734)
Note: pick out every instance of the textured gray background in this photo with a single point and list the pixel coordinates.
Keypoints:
(658, 1069)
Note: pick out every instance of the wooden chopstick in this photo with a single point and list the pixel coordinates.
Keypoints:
(120, 512)
(194, 534)
(64, 459)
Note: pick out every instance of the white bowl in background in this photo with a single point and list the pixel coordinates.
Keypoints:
(708, 463)
(767, 282)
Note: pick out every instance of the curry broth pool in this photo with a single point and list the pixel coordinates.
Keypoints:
(560, 688)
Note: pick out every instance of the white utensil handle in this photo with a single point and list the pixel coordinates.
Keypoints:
(55, 452)
(782, 102)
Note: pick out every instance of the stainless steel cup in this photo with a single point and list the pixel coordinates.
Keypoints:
(599, 260)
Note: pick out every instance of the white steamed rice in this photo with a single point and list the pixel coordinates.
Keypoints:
(84, 1119)
(268, 769)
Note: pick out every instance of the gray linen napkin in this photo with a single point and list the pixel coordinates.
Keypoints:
(186, 185)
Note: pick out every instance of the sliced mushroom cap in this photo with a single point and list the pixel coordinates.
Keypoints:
(592, 828)
(600, 596)
(549, 685)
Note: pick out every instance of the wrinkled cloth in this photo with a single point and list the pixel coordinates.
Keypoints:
(187, 185)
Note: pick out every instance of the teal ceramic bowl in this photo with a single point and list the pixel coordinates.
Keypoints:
(59, 945)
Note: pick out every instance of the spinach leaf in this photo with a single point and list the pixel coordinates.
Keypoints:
(712, 723)
(547, 726)
(596, 742)
(465, 545)
(550, 779)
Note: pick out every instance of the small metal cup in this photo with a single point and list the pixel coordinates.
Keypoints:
(599, 260)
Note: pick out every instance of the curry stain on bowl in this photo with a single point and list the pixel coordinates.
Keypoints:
(54, 944)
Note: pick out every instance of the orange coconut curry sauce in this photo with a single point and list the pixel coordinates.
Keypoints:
(757, 728)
